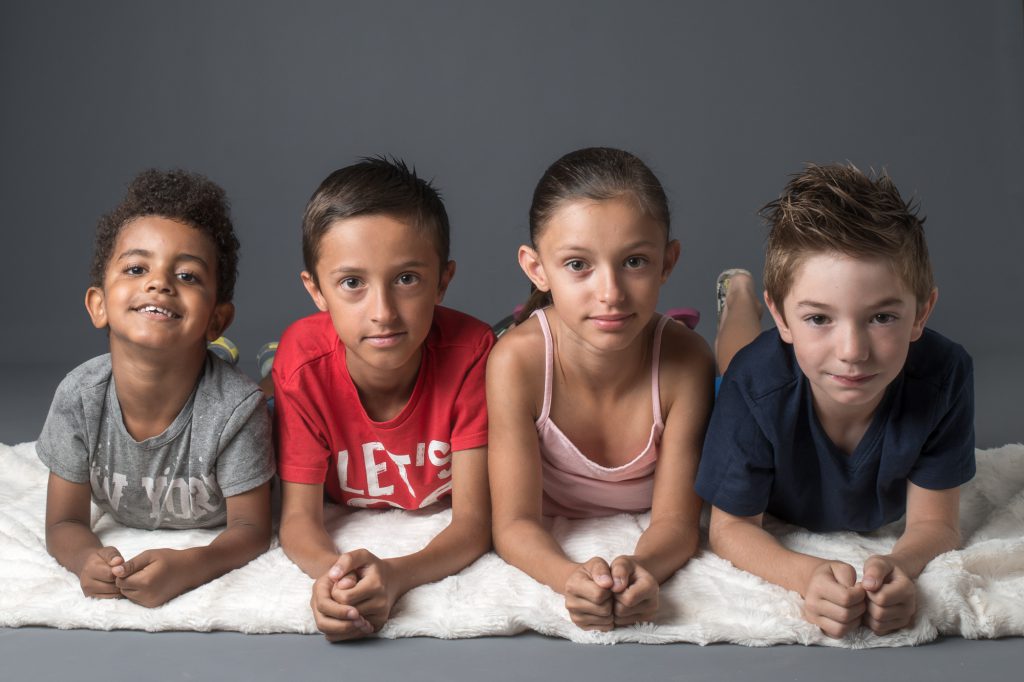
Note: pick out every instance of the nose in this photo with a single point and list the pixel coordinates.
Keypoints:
(853, 346)
(159, 281)
(382, 306)
(610, 291)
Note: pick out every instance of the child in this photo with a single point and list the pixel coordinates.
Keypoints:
(380, 397)
(159, 433)
(850, 413)
(598, 405)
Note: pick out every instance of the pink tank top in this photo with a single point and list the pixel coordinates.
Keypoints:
(574, 485)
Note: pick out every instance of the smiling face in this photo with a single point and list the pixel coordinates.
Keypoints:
(159, 289)
(604, 263)
(851, 323)
(379, 277)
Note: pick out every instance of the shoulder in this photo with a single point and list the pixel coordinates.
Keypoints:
(224, 384)
(452, 328)
(304, 341)
(764, 366)
(937, 361)
(684, 352)
(89, 375)
(519, 348)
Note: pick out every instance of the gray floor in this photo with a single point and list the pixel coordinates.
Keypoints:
(45, 654)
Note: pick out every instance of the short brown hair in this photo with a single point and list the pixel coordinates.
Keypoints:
(373, 186)
(838, 209)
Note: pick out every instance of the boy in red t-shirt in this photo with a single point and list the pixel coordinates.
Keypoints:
(379, 399)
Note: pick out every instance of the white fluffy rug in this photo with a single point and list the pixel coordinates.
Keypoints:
(976, 592)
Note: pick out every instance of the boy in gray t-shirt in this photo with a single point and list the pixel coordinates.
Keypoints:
(160, 433)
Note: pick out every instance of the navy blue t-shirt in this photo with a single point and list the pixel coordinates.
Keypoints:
(766, 451)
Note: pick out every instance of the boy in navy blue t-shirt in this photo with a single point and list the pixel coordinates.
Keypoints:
(847, 415)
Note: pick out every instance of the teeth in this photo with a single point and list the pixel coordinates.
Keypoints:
(158, 310)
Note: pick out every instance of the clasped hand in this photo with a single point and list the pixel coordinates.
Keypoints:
(885, 600)
(355, 597)
(150, 579)
(601, 597)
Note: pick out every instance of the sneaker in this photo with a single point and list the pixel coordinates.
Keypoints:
(224, 349)
(722, 286)
(265, 358)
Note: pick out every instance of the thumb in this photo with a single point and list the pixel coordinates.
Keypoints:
(348, 563)
(845, 574)
(876, 570)
(133, 565)
(599, 572)
(111, 556)
(622, 572)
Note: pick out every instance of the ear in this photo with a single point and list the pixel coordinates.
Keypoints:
(222, 317)
(672, 250)
(447, 272)
(96, 306)
(924, 311)
(529, 261)
(313, 289)
(780, 319)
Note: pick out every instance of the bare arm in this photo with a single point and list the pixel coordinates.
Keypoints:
(303, 536)
(520, 537)
(933, 527)
(687, 376)
(69, 538)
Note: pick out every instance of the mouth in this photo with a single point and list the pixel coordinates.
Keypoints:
(612, 322)
(156, 312)
(852, 380)
(385, 340)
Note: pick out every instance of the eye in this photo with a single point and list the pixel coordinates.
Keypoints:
(884, 318)
(817, 320)
(635, 262)
(350, 283)
(576, 265)
(407, 279)
(188, 277)
(134, 270)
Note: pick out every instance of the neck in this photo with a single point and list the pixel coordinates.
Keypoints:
(152, 386)
(384, 393)
(600, 370)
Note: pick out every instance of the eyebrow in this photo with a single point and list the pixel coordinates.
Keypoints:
(884, 303)
(349, 270)
(143, 253)
(640, 244)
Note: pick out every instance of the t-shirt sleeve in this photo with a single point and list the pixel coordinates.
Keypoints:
(63, 445)
(302, 453)
(245, 456)
(469, 412)
(737, 465)
(947, 459)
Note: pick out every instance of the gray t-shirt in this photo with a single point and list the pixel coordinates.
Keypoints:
(218, 446)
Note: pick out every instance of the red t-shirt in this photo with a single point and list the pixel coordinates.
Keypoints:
(324, 435)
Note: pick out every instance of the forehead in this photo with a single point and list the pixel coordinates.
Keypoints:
(838, 278)
(594, 222)
(376, 241)
(165, 237)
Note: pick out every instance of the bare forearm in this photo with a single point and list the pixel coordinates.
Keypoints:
(70, 543)
(451, 550)
(309, 546)
(529, 547)
(234, 547)
(922, 542)
(665, 546)
(757, 551)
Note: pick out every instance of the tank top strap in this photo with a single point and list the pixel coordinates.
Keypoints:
(548, 364)
(655, 362)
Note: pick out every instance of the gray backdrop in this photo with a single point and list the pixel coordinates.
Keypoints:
(723, 100)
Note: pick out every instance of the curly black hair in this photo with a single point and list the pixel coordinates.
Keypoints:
(189, 198)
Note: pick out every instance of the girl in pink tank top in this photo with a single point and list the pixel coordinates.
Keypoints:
(597, 404)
